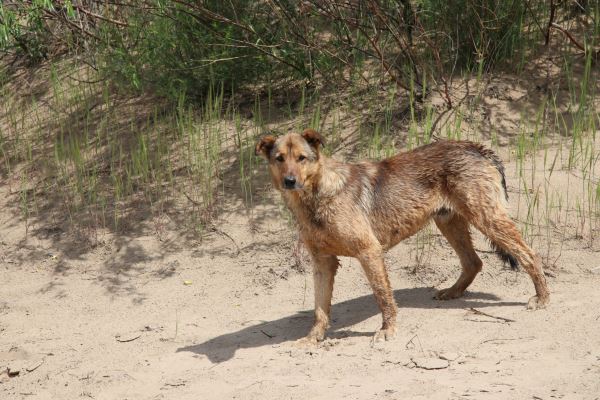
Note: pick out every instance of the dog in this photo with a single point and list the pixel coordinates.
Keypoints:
(361, 210)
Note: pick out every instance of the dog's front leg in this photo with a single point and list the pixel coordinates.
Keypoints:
(324, 269)
(374, 267)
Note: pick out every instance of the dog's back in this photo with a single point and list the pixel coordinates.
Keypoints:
(402, 193)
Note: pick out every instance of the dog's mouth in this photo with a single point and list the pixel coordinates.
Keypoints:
(297, 187)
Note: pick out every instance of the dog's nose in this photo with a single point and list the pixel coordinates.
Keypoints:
(289, 182)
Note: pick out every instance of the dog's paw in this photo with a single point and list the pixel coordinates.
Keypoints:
(537, 303)
(306, 342)
(383, 335)
(448, 294)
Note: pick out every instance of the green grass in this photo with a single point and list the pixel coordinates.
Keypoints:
(90, 155)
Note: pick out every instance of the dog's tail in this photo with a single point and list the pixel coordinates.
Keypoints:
(488, 154)
(505, 256)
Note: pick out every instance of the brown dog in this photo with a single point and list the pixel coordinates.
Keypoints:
(361, 210)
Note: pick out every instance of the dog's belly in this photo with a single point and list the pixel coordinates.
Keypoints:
(390, 236)
(351, 243)
(350, 233)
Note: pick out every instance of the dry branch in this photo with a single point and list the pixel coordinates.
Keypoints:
(475, 311)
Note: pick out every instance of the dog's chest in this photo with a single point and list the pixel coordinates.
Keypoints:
(331, 233)
(325, 240)
(311, 213)
(315, 220)
(317, 225)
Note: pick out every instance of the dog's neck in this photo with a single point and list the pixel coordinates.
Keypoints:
(331, 179)
(327, 184)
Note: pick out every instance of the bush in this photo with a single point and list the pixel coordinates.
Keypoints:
(181, 49)
(22, 31)
(470, 32)
(172, 47)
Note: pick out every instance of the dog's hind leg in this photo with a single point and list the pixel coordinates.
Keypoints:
(374, 267)
(456, 230)
(324, 269)
(502, 231)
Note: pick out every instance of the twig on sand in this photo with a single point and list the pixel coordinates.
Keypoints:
(507, 339)
(175, 384)
(411, 341)
(267, 335)
(475, 311)
(220, 232)
(214, 228)
(549, 274)
(127, 338)
(35, 366)
(194, 202)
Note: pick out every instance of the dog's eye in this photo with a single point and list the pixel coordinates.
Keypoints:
(301, 158)
(279, 158)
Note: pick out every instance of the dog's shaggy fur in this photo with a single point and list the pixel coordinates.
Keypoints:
(361, 210)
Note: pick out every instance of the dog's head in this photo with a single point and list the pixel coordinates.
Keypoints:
(293, 158)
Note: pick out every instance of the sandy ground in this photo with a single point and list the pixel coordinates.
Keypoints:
(156, 317)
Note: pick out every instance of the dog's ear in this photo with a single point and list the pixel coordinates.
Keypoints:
(264, 146)
(313, 138)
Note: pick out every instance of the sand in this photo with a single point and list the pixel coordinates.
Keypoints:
(157, 316)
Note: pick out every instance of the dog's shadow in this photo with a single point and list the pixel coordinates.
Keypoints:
(344, 314)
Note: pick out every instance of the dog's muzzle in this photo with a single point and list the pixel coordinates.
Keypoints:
(289, 182)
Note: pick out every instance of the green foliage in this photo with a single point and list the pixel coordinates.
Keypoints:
(171, 47)
(22, 29)
(474, 32)
(182, 48)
